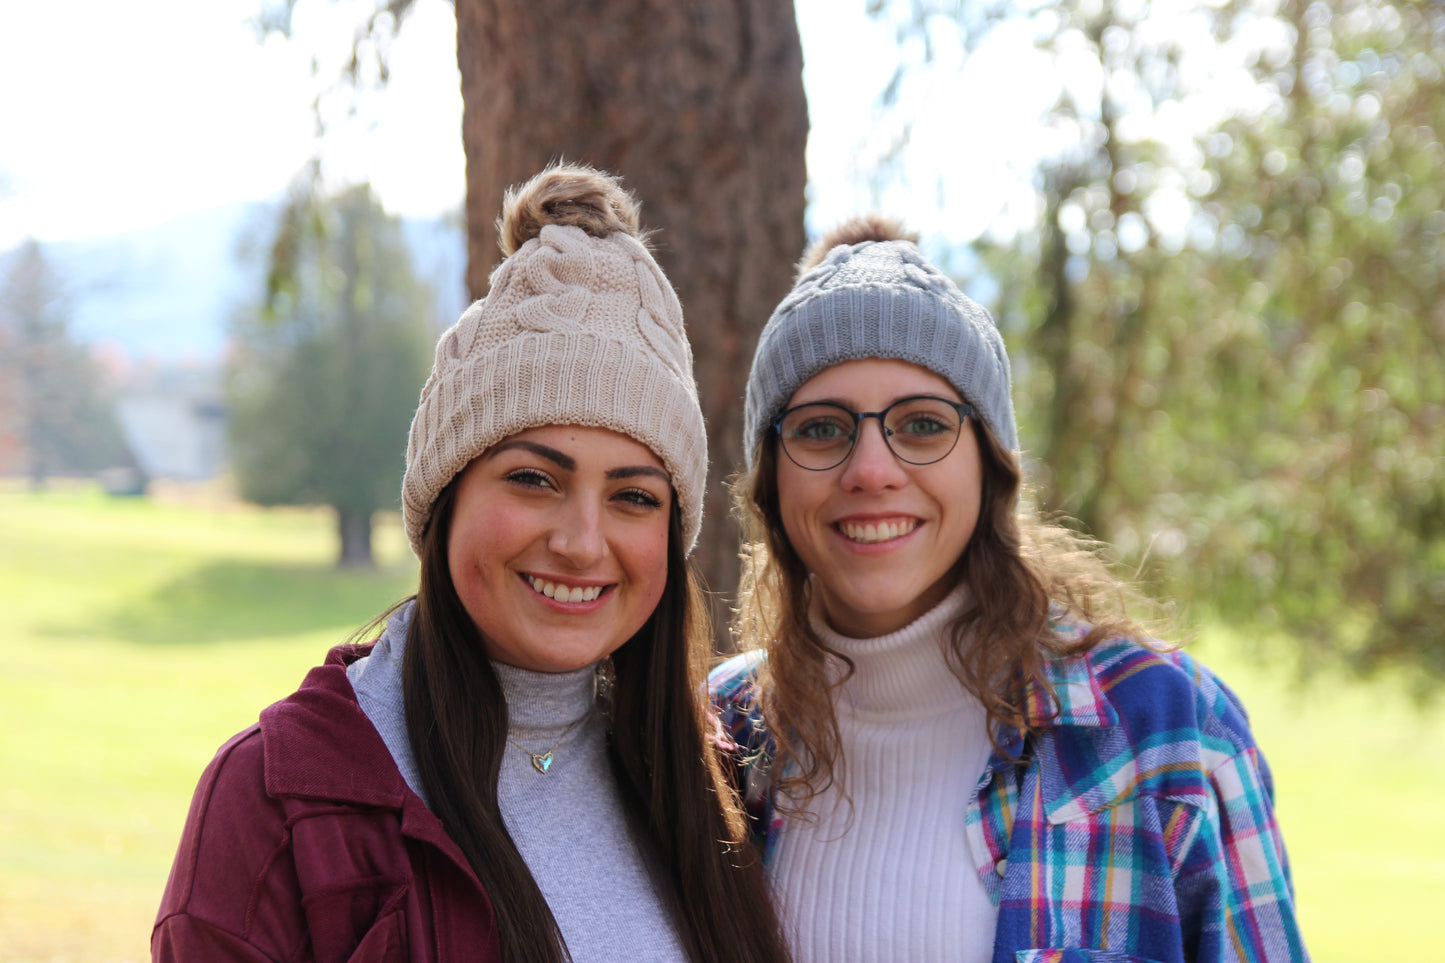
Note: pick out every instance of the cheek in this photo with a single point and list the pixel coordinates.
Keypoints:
(799, 508)
(794, 502)
(647, 565)
(477, 537)
(966, 491)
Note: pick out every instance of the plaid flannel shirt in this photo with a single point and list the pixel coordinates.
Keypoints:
(1137, 824)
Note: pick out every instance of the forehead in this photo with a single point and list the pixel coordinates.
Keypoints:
(587, 443)
(872, 382)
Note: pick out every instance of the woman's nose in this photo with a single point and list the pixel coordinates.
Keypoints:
(577, 535)
(872, 465)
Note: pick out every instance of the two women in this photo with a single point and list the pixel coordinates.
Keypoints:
(953, 742)
(516, 769)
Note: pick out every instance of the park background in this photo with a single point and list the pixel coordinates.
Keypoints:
(1211, 233)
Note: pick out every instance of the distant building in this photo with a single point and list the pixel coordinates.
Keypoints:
(174, 419)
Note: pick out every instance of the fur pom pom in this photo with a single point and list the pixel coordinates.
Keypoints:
(855, 230)
(567, 194)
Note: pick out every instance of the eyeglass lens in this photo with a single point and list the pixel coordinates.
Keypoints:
(917, 430)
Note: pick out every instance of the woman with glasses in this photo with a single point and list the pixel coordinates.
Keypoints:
(954, 743)
(518, 768)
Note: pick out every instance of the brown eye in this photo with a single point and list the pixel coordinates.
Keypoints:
(640, 497)
(530, 478)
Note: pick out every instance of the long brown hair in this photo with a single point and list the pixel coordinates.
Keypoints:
(1021, 568)
(670, 776)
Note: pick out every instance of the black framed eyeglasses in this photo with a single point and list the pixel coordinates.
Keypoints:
(919, 430)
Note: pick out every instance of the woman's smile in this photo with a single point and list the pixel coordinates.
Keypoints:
(564, 592)
(872, 532)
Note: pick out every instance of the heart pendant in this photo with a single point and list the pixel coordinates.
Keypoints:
(541, 762)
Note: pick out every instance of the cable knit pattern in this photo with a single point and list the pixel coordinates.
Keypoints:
(575, 330)
(891, 877)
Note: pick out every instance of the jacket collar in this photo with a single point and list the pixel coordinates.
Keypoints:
(1077, 699)
(320, 745)
(1087, 759)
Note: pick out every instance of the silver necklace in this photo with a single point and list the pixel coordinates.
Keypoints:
(542, 761)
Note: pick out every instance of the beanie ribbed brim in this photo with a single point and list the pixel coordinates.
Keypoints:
(544, 379)
(950, 336)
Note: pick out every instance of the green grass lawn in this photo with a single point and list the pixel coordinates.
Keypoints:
(1360, 788)
(141, 634)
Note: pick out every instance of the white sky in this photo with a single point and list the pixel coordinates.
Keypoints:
(119, 115)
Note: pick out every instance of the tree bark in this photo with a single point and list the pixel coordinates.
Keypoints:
(699, 106)
(354, 529)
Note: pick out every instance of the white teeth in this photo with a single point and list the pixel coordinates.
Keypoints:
(563, 593)
(872, 532)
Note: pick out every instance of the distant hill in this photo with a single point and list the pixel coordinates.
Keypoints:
(167, 292)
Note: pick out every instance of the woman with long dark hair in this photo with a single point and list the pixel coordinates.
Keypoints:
(955, 742)
(517, 768)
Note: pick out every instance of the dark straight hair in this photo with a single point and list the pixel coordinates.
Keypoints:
(670, 775)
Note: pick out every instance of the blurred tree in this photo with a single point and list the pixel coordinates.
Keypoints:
(1233, 357)
(325, 375)
(700, 108)
(1325, 294)
(56, 413)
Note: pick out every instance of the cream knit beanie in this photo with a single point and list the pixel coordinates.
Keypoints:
(579, 327)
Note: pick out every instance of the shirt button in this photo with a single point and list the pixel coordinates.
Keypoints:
(1001, 866)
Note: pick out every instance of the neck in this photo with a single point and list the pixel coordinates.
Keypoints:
(904, 674)
(546, 700)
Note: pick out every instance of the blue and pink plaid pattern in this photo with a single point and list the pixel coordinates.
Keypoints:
(1137, 824)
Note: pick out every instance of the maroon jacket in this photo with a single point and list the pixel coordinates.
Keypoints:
(304, 843)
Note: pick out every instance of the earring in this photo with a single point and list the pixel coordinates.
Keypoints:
(603, 679)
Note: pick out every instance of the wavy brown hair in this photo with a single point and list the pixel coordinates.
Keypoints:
(1022, 569)
(670, 775)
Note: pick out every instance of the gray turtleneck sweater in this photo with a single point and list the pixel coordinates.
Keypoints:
(889, 878)
(569, 823)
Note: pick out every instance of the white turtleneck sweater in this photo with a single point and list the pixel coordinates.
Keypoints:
(890, 878)
(569, 823)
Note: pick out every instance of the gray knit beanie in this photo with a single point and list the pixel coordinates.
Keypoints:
(579, 327)
(866, 291)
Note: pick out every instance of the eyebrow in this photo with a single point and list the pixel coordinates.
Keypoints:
(568, 463)
(843, 403)
(634, 471)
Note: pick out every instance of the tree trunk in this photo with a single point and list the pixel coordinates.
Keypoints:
(700, 108)
(354, 527)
